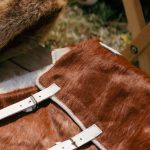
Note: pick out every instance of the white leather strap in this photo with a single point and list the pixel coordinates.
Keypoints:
(79, 140)
(30, 103)
(109, 48)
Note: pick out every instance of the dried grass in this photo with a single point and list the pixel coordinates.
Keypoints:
(79, 23)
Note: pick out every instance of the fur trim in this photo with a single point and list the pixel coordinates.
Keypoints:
(19, 82)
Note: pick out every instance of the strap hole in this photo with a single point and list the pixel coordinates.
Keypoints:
(62, 147)
(20, 105)
(81, 139)
(39, 95)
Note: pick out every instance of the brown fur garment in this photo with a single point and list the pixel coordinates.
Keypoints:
(103, 88)
(100, 87)
(17, 16)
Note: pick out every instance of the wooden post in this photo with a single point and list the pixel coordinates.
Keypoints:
(136, 21)
(141, 42)
(135, 16)
(140, 47)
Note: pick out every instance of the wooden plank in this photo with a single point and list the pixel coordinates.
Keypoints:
(18, 50)
(144, 60)
(26, 54)
(9, 70)
(143, 39)
(135, 16)
(34, 59)
(141, 42)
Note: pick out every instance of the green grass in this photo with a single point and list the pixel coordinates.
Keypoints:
(81, 23)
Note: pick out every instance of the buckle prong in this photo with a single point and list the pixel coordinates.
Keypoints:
(33, 100)
(73, 142)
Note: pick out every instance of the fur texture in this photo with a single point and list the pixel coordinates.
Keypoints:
(99, 87)
(16, 16)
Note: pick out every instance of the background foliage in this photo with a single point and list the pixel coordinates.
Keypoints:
(105, 20)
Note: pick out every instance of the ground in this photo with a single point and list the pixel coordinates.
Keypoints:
(80, 23)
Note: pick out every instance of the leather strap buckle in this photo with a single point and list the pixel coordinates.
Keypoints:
(32, 108)
(73, 142)
(78, 140)
(30, 103)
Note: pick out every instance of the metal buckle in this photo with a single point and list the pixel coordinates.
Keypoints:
(30, 109)
(73, 143)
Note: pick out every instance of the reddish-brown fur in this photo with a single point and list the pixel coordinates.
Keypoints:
(99, 87)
